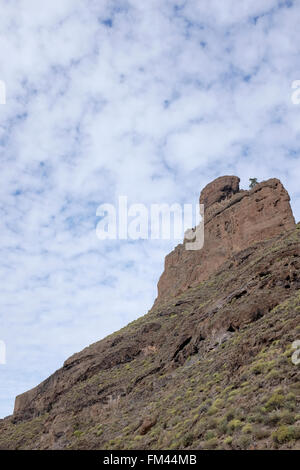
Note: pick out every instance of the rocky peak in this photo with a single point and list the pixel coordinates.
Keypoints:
(219, 189)
(234, 220)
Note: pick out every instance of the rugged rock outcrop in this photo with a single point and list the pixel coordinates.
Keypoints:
(233, 221)
(218, 190)
(208, 367)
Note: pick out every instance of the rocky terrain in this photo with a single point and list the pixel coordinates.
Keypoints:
(234, 220)
(209, 366)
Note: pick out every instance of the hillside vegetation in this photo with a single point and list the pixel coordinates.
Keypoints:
(209, 369)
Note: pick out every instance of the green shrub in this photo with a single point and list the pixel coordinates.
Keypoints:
(275, 401)
(273, 418)
(230, 415)
(258, 368)
(212, 410)
(287, 417)
(273, 374)
(188, 440)
(228, 440)
(296, 430)
(283, 434)
(218, 403)
(243, 442)
(291, 397)
(247, 429)
(222, 425)
(209, 435)
(256, 418)
(234, 424)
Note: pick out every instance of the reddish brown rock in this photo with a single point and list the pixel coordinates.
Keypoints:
(234, 220)
(219, 189)
(147, 424)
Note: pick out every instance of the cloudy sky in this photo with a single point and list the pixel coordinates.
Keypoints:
(149, 99)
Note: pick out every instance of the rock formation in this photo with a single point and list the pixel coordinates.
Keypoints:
(234, 220)
(218, 190)
(209, 366)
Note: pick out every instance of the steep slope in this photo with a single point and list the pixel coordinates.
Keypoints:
(208, 368)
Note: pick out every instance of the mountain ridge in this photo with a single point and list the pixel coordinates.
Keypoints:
(209, 367)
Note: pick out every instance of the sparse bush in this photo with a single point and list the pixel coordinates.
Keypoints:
(273, 374)
(234, 424)
(247, 429)
(283, 434)
(287, 417)
(209, 435)
(212, 410)
(275, 401)
(256, 418)
(228, 440)
(243, 442)
(261, 433)
(211, 443)
(230, 415)
(253, 182)
(273, 418)
(188, 440)
(258, 368)
(218, 403)
(296, 432)
(222, 425)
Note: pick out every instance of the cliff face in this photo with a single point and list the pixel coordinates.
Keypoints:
(233, 221)
(209, 366)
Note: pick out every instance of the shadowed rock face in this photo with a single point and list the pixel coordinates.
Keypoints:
(225, 340)
(233, 221)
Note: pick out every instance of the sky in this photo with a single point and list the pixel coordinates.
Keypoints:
(151, 100)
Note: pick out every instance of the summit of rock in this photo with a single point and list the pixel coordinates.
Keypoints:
(234, 220)
(219, 189)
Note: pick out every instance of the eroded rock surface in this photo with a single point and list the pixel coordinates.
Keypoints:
(234, 220)
(220, 189)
